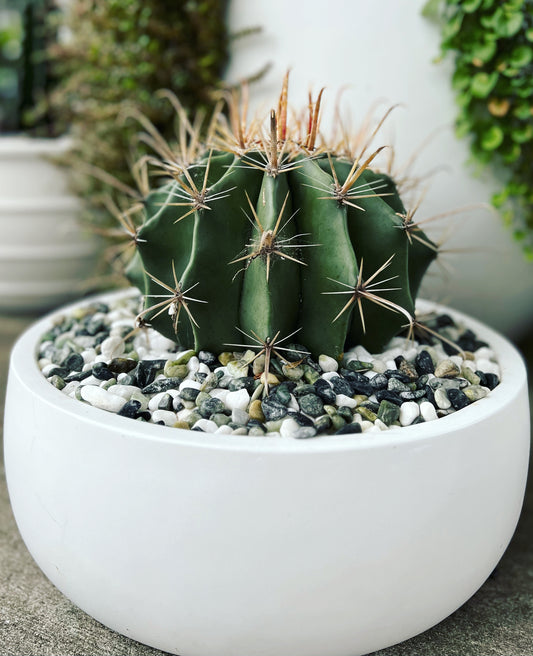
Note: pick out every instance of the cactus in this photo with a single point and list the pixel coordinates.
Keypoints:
(263, 234)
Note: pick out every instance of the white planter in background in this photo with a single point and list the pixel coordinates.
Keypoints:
(45, 255)
(210, 545)
(383, 51)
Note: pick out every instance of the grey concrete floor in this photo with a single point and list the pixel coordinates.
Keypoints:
(37, 620)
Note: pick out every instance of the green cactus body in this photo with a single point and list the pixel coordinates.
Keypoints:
(271, 287)
(266, 246)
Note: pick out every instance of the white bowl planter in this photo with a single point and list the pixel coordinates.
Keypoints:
(45, 255)
(382, 52)
(244, 546)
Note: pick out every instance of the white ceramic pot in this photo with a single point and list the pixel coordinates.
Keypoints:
(383, 52)
(204, 545)
(45, 255)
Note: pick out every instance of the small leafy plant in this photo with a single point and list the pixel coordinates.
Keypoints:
(493, 47)
(264, 231)
(26, 76)
(118, 54)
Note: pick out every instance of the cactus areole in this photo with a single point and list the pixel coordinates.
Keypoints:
(267, 234)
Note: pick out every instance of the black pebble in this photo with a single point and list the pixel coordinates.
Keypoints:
(350, 428)
(458, 399)
(101, 371)
(386, 395)
(130, 409)
(273, 409)
(424, 363)
(324, 390)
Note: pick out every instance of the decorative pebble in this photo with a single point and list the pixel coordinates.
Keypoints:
(101, 398)
(327, 363)
(95, 355)
(409, 411)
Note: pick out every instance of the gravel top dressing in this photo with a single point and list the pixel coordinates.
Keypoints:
(98, 355)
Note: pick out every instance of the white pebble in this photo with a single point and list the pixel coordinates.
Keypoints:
(329, 375)
(153, 403)
(379, 366)
(70, 388)
(409, 411)
(166, 416)
(381, 425)
(362, 354)
(238, 399)
(44, 362)
(48, 368)
(410, 354)
(289, 427)
(193, 365)
(204, 369)
(441, 399)
(91, 380)
(239, 417)
(456, 359)
(342, 399)
(125, 391)
(390, 364)
(101, 398)
(366, 426)
(485, 353)
(88, 355)
(224, 430)
(112, 347)
(219, 393)
(293, 404)
(487, 366)
(184, 415)
(327, 363)
(189, 383)
(427, 410)
(206, 425)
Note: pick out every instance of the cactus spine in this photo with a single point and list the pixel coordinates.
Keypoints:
(267, 234)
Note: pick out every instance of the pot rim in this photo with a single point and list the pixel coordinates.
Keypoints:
(23, 364)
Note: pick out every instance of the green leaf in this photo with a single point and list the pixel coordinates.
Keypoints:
(484, 51)
(492, 138)
(521, 56)
(483, 83)
(522, 134)
(522, 111)
(469, 6)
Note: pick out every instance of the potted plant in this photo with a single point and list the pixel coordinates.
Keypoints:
(308, 507)
(45, 255)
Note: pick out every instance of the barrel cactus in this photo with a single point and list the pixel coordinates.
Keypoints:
(267, 233)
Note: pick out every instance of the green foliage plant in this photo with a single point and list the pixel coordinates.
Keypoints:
(265, 230)
(492, 43)
(116, 56)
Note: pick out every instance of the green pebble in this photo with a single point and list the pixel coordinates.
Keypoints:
(337, 422)
(237, 368)
(220, 419)
(184, 357)
(331, 410)
(106, 384)
(175, 369)
(470, 375)
(388, 412)
(274, 426)
(292, 373)
(256, 431)
(475, 392)
(57, 381)
(202, 396)
(311, 375)
(139, 396)
(358, 365)
(345, 412)
(366, 413)
(194, 417)
(323, 424)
